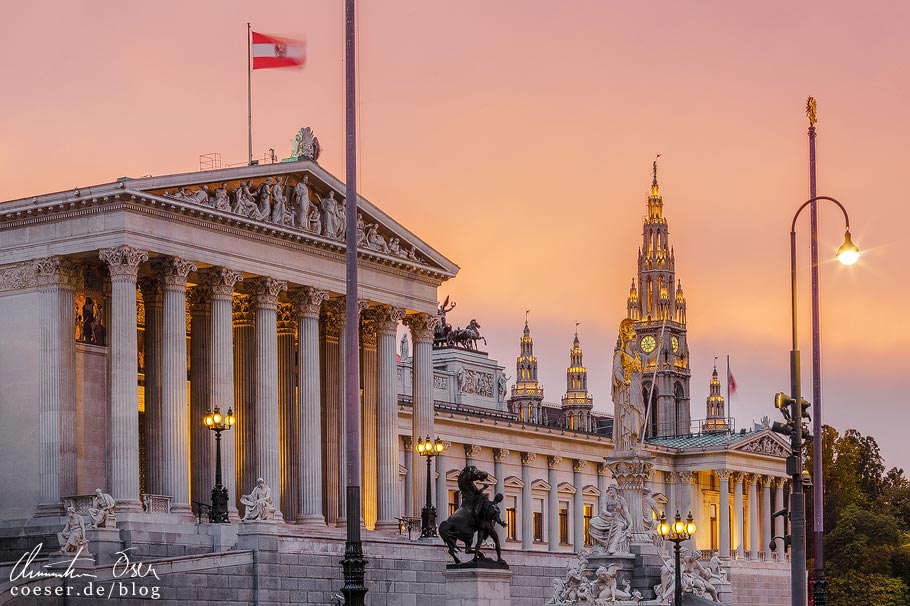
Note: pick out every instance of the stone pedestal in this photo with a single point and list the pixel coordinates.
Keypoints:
(257, 536)
(625, 561)
(478, 586)
(104, 543)
(224, 536)
(632, 468)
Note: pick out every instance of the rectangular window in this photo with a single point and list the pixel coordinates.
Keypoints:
(714, 540)
(454, 501)
(589, 513)
(564, 523)
(538, 526)
(511, 526)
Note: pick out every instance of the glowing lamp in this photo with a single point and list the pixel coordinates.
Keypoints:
(690, 525)
(848, 253)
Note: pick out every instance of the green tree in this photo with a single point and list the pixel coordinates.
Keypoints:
(871, 589)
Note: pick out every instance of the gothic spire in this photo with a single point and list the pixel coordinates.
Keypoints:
(527, 393)
(577, 404)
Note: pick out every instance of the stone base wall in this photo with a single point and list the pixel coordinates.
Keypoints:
(765, 583)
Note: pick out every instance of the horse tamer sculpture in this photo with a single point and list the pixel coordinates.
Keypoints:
(477, 515)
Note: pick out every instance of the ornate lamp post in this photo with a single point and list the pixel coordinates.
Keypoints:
(677, 532)
(218, 423)
(429, 448)
(848, 254)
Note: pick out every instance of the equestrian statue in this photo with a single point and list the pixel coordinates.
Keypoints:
(477, 515)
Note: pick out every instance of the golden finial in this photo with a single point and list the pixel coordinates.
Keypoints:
(810, 110)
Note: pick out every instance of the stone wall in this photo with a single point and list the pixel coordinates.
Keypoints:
(765, 583)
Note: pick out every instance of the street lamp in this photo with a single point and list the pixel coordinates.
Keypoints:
(218, 423)
(677, 532)
(848, 254)
(429, 448)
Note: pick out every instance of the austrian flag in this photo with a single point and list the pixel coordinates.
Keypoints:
(269, 52)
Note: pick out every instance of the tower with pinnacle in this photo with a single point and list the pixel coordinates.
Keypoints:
(715, 418)
(577, 404)
(527, 393)
(657, 306)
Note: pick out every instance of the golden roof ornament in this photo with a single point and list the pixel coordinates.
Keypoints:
(811, 110)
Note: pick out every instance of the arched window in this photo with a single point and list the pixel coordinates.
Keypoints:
(682, 411)
(655, 423)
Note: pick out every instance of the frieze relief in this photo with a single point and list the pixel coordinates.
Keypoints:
(293, 203)
(18, 275)
(475, 382)
(765, 445)
(440, 382)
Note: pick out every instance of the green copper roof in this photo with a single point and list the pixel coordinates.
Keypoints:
(702, 440)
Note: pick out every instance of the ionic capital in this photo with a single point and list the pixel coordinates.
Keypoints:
(422, 326)
(471, 450)
(173, 271)
(500, 454)
(578, 465)
(308, 301)
(387, 318)
(56, 271)
(265, 291)
(723, 474)
(123, 261)
(221, 281)
(553, 460)
(527, 457)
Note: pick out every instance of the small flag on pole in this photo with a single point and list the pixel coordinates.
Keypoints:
(731, 382)
(270, 52)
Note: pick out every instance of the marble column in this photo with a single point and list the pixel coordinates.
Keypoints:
(175, 451)
(753, 518)
(422, 418)
(288, 455)
(220, 282)
(308, 302)
(779, 529)
(470, 454)
(264, 292)
(499, 455)
(738, 514)
(442, 488)
(368, 410)
(723, 510)
(553, 504)
(527, 506)
(152, 299)
(332, 407)
(672, 499)
(388, 495)
(244, 353)
(57, 278)
(408, 445)
(765, 515)
(684, 501)
(697, 506)
(202, 442)
(578, 504)
(123, 264)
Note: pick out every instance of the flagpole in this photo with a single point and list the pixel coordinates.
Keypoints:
(249, 92)
(644, 429)
(729, 401)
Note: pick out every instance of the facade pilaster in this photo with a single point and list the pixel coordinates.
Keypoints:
(264, 292)
(602, 472)
(527, 511)
(244, 353)
(202, 444)
(553, 503)
(308, 302)
(499, 455)
(422, 327)
(578, 504)
(753, 517)
(123, 264)
(388, 495)
(686, 491)
(765, 514)
(369, 408)
(442, 490)
(57, 279)
(152, 297)
(724, 512)
(779, 529)
(408, 445)
(738, 515)
(288, 455)
(333, 413)
(220, 283)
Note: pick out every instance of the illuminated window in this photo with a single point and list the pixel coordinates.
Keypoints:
(589, 513)
(564, 523)
(511, 526)
(538, 526)
(454, 501)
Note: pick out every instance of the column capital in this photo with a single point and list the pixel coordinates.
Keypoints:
(687, 477)
(151, 291)
(422, 326)
(197, 299)
(242, 310)
(602, 469)
(333, 313)
(553, 460)
(778, 482)
(286, 318)
(173, 271)
(57, 271)
(221, 281)
(387, 318)
(737, 477)
(578, 465)
(527, 457)
(500, 454)
(368, 333)
(408, 442)
(471, 450)
(123, 261)
(308, 300)
(265, 290)
(748, 478)
(723, 474)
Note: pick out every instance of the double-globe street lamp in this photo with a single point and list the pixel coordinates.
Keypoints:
(217, 422)
(429, 448)
(848, 254)
(677, 532)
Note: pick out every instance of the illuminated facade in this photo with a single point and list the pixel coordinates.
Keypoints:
(577, 403)
(527, 393)
(715, 419)
(657, 305)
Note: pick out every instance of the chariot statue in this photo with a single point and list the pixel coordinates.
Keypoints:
(306, 145)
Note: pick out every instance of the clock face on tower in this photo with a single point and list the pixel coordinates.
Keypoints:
(675, 343)
(648, 344)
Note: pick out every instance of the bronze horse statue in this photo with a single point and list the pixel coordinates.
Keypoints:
(467, 337)
(475, 516)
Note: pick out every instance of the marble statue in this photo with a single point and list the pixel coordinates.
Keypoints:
(664, 590)
(718, 574)
(244, 200)
(575, 587)
(650, 513)
(605, 587)
(306, 145)
(332, 224)
(695, 577)
(375, 240)
(264, 207)
(628, 400)
(72, 537)
(101, 510)
(221, 200)
(610, 529)
(404, 349)
(278, 201)
(503, 386)
(303, 206)
(258, 503)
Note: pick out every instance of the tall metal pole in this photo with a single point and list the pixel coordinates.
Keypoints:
(795, 460)
(353, 564)
(677, 583)
(820, 584)
(249, 91)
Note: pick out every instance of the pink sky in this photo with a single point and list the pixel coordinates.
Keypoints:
(517, 138)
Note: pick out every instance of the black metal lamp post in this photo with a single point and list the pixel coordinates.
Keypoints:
(677, 532)
(429, 448)
(218, 423)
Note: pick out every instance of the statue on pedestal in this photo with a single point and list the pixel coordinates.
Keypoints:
(476, 515)
(101, 510)
(72, 537)
(611, 529)
(628, 401)
(258, 503)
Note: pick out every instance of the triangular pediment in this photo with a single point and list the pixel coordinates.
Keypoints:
(541, 485)
(402, 471)
(452, 475)
(566, 488)
(299, 198)
(513, 482)
(764, 442)
(591, 491)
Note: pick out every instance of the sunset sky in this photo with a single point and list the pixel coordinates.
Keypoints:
(516, 137)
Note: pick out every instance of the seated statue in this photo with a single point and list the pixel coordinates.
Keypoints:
(258, 503)
(695, 578)
(72, 537)
(611, 529)
(102, 509)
